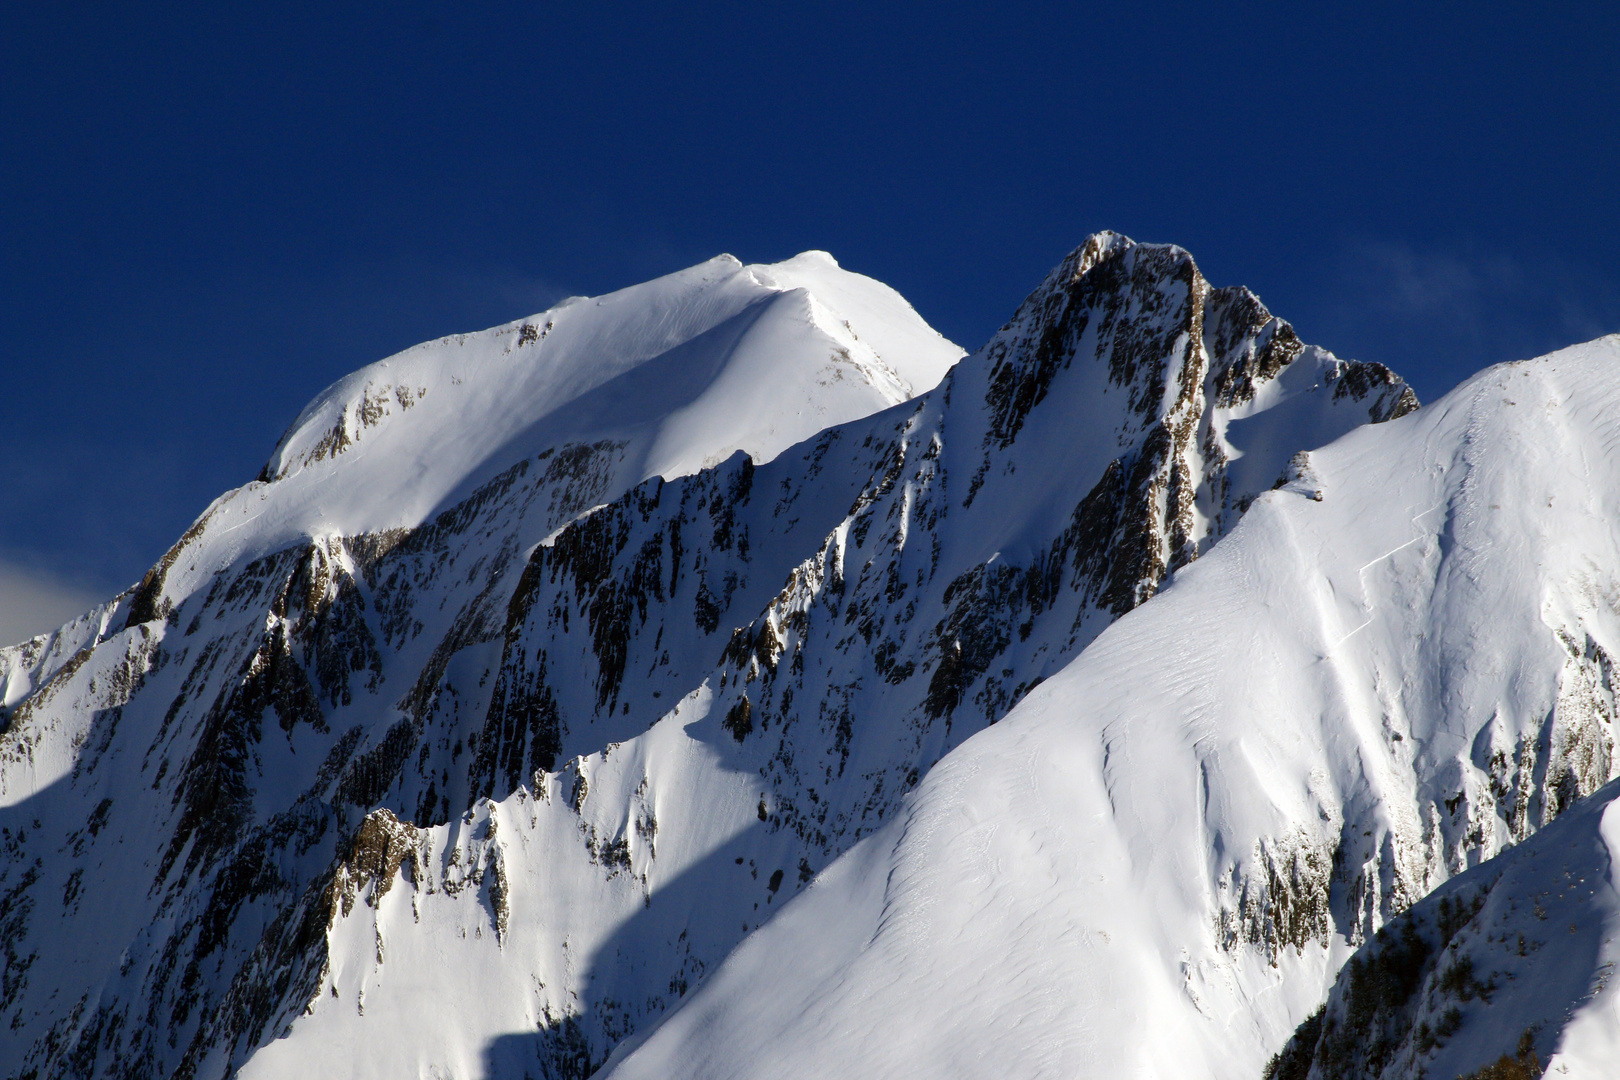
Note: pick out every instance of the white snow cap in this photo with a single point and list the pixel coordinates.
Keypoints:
(689, 368)
(678, 374)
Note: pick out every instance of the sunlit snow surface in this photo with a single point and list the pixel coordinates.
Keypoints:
(1513, 959)
(675, 375)
(1057, 898)
(717, 831)
(685, 370)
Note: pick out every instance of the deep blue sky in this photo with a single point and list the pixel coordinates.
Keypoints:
(212, 211)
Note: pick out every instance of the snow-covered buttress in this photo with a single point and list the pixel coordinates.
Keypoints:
(1502, 972)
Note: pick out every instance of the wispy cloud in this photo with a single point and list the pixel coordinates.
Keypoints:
(1434, 283)
(34, 601)
(1439, 313)
(505, 296)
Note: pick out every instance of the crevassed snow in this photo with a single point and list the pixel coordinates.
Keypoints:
(1081, 889)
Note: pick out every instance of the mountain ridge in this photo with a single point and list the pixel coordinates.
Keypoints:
(372, 744)
(1395, 667)
(1481, 975)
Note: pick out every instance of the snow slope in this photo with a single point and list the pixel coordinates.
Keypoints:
(679, 373)
(445, 751)
(1397, 664)
(660, 379)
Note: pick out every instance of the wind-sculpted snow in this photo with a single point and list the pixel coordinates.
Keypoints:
(683, 371)
(472, 737)
(1398, 664)
(879, 608)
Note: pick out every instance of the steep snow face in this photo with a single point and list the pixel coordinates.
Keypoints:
(1397, 664)
(442, 751)
(593, 396)
(830, 624)
(1512, 960)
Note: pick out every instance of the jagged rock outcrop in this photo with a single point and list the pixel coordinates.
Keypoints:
(1502, 972)
(958, 596)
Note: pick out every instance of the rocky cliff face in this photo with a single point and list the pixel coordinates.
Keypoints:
(1502, 973)
(1050, 485)
(492, 787)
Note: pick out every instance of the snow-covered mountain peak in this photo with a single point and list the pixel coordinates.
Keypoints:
(678, 372)
(1079, 262)
(659, 379)
(1194, 397)
(534, 692)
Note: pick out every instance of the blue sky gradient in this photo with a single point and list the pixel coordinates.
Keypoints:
(211, 212)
